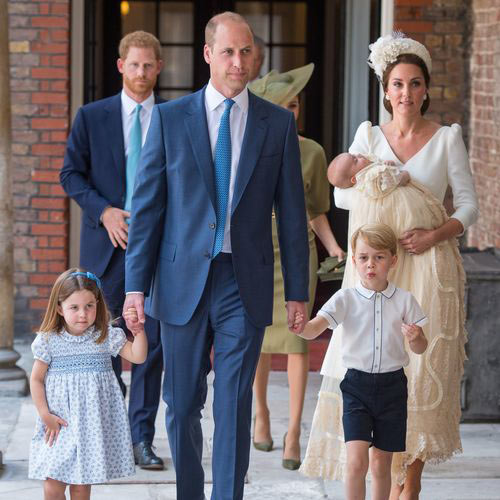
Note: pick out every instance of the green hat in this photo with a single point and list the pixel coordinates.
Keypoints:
(280, 88)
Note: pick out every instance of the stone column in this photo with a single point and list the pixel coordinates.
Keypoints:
(13, 380)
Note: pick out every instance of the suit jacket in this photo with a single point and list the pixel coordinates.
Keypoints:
(93, 174)
(172, 227)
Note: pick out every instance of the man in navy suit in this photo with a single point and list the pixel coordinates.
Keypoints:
(98, 173)
(200, 249)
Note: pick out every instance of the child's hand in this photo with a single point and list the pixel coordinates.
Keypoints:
(132, 319)
(52, 427)
(416, 337)
(297, 322)
(411, 332)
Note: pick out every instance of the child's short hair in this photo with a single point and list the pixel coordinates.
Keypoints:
(74, 280)
(378, 236)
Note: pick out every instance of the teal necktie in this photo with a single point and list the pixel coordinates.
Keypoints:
(222, 168)
(134, 153)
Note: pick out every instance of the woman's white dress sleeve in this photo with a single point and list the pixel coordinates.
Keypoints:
(460, 179)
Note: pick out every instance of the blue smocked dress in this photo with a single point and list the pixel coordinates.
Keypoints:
(81, 388)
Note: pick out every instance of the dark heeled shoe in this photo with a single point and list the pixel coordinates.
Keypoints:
(289, 463)
(262, 445)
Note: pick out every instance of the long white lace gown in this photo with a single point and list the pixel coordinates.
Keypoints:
(435, 278)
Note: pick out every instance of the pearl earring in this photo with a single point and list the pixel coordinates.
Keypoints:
(387, 98)
(425, 97)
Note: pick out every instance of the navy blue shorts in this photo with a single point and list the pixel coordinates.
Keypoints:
(375, 408)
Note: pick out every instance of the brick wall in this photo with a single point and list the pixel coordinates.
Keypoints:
(484, 145)
(39, 59)
(443, 27)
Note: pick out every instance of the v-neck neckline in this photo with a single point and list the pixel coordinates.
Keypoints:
(414, 155)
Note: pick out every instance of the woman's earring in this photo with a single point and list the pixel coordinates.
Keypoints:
(387, 98)
(425, 97)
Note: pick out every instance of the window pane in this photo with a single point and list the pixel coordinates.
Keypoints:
(257, 16)
(176, 22)
(289, 22)
(177, 67)
(287, 58)
(142, 16)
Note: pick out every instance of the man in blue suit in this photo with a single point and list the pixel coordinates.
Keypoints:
(200, 248)
(98, 173)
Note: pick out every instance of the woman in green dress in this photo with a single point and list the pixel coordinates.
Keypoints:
(283, 89)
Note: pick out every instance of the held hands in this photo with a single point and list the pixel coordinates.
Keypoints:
(416, 337)
(295, 308)
(417, 241)
(114, 220)
(134, 301)
(132, 320)
(53, 425)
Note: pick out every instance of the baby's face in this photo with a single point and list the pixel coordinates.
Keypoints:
(351, 164)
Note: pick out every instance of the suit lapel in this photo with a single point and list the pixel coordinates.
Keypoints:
(253, 139)
(197, 128)
(113, 130)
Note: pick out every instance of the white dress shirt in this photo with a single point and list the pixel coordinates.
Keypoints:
(128, 115)
(214, 106)
(372, 339)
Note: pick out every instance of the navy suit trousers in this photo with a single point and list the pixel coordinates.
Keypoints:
(145, 385)
(220, 322)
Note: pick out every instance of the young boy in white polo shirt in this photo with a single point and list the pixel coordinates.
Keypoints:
(376, 317)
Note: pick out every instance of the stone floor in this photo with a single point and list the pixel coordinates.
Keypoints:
(475, 475)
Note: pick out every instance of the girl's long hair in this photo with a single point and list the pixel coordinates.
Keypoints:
(65, 285)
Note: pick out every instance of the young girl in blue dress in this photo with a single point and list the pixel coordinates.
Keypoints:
(82, 433)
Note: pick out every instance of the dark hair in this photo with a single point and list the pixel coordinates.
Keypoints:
(407, 59)
(66, 284)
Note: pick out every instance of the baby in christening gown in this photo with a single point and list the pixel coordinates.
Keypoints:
(384, 193)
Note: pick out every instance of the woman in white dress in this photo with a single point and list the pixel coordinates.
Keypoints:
(429, 267)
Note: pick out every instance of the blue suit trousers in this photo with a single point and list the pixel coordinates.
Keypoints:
(220, 322)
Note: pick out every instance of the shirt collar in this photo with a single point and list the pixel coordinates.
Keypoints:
(368, 294)
(214, 98)
(129, 104)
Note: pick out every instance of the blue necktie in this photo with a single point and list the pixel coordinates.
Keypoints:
(134, 153)
(222, 163)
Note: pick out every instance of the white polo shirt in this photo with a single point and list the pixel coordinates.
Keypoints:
(372, 339)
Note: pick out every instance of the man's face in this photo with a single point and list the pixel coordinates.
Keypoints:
(140, 70)
(231, 57)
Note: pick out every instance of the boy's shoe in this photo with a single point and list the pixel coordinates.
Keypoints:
(145, 457)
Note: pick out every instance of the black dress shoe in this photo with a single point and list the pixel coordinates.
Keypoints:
(145, 457)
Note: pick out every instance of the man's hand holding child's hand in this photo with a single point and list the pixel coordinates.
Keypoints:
(132, 319)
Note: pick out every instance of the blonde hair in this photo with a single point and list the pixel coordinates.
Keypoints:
(214, 22)
(379, 236)
(66, 284)
(141, 39)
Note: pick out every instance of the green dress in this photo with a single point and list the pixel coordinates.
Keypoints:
(278, 339)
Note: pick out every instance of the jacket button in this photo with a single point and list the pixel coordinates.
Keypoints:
(211, 225)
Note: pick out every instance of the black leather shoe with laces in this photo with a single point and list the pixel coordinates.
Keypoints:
(145, 457)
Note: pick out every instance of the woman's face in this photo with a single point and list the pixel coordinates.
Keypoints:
(406, 89)
(294, 107)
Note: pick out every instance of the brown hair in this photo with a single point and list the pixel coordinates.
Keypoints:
(66, 284)
(407, 59)
(378, 236)
(214, 22)
(141, 39)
